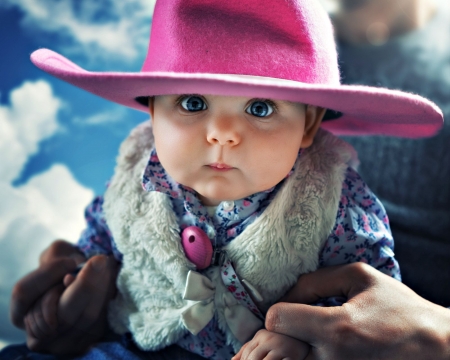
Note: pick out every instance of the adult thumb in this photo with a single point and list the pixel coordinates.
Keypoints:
(303, 322)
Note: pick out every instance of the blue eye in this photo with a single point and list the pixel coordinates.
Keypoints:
(259, 109)
(193, 103)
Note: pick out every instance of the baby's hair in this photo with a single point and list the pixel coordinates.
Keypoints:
(143, 100)
(329, 114)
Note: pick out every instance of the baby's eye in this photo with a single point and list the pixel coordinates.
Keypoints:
(193, 103)
(259, 108)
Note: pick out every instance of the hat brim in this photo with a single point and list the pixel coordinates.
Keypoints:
(365, 110)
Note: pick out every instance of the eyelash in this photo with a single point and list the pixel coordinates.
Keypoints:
(180, 98)
(184, 96)
(270, 102)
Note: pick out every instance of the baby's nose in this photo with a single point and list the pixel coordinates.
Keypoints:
(223, 132)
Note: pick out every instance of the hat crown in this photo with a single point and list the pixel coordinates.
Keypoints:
(286, 39)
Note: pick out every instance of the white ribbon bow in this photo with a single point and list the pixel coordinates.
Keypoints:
(240, 320)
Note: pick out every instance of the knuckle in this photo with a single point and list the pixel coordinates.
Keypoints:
(362, 273)
(53, 250)
(58, 245)
(360, 268)
(260, 334)
(57, 249)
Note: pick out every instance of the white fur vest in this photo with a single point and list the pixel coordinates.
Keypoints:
(281, 244)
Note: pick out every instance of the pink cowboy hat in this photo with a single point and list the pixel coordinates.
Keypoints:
(263, 49)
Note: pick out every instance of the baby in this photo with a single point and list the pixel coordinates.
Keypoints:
(234, 190)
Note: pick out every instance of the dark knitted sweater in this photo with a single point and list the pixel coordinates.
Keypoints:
(411, 177)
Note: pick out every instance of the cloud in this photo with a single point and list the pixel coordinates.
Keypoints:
(117, 114)
(30, 118)
(49, 206)
(2, 344)
(95, 28)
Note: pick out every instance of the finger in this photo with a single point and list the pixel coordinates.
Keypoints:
(82, 302)
(68, 279)
(50, 306)
(260, 352)
(96, 310)
(35, 284)
(239, 354)
(61, 248)
(249, 347)
(33, 343)
(28, 327)
(40, 328)
(307, 323)
(341, 280)
(274, 355)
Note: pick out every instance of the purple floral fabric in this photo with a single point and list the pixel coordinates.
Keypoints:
(361, 233)
(234, 286)
(96, 238)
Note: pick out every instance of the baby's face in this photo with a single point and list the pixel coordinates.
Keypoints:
(226, 148)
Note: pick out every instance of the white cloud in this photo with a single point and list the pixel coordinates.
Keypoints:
(95, 28)
(117, 114)
(30, 118)
(3, 344)
(49, 206)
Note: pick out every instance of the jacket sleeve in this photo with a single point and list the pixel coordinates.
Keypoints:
(361, 232)
(97, 238)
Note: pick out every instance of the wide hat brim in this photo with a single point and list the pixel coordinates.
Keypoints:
(364, 110)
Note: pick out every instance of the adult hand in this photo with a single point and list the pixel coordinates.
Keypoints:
(382, 319)
(63, 314)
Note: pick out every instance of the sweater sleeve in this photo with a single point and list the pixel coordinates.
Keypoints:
(96, 238)
(361, 232)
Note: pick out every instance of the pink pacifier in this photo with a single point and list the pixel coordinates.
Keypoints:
(197, 246)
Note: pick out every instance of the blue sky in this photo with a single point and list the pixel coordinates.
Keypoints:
(58, 143)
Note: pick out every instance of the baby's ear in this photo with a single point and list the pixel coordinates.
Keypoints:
(313, 119)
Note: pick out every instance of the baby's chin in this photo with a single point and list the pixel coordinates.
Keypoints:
(214, 190)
